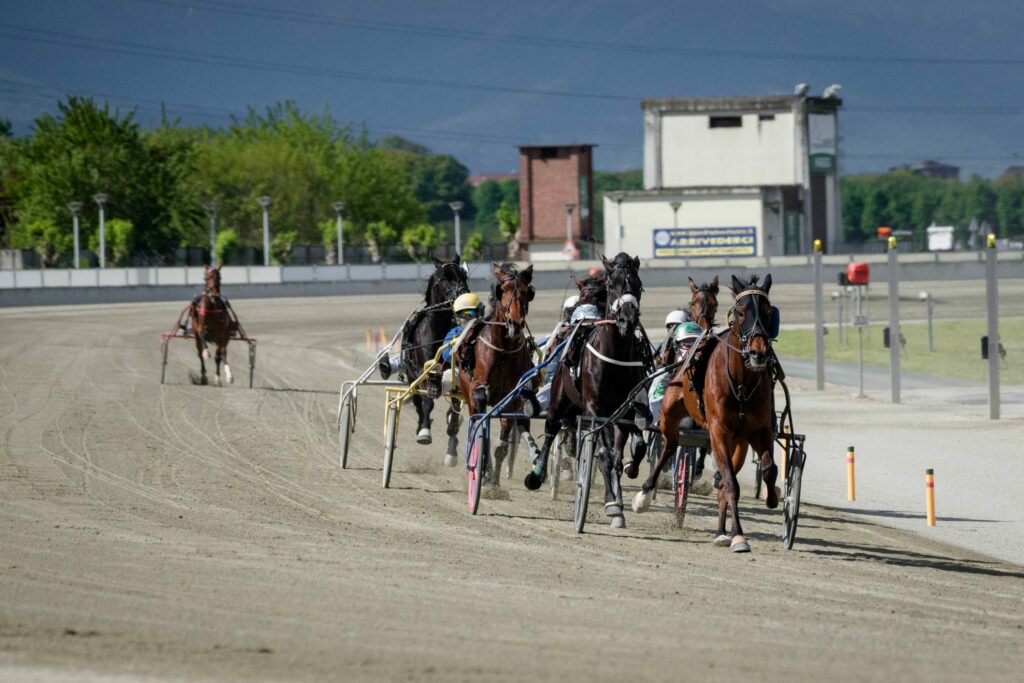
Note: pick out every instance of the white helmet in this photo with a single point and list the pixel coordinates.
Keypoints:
(675, 317)
(686, 333)
(585, 312)
(571, 302)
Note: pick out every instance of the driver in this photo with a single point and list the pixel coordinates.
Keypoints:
(680, 342)
(467, 308)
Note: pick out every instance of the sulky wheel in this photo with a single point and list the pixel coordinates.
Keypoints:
(682, 481)
(584, 470)
(791, 503)
(346, 427)
(476, 467)
(390, 434)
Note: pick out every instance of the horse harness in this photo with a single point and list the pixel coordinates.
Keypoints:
(739, 391)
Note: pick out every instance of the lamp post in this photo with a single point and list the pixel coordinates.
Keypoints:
(75, 208)
(675, 212)
(456, 207)
(101, 199)
(927, 298)
(211, 208)
(570, 248)
(338, 208)
(838, 297)
(265, 203)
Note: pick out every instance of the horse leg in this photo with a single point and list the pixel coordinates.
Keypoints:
(453, 420)
(672, 413)
(217, 361)
(424, 406)
(723, 450)
(223, 351)
(762, 444)
(500, 452)
(731, 493)
(200, 349)
(610, 462)
(535, 477)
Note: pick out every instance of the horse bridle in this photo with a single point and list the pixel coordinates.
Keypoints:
(452, 288)
(753, 324)
(517, 295)
(625, 294)
(703, 313)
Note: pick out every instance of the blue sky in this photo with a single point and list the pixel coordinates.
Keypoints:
(921, 79)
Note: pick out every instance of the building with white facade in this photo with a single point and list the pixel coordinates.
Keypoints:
(731, 176)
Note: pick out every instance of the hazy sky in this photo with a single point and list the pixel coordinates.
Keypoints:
(931, 79)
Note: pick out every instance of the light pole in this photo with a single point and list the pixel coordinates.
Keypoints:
(456, 207)
(265, 203)
(570, 248)
(927, 298)
(338, 208)
(839, 316)
(75, 208)
(211, 208)
(101, 199)
(675, 212)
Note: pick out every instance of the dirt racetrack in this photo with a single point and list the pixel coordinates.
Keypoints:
(184, 532)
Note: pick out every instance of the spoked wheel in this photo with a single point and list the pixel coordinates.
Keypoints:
(584, 470)
(252, 362)
(513, 447)
(163, 370)
(791, 504)
(390, 434)
(758, 477)
(476, 468)
(346, 427)
(682, 481)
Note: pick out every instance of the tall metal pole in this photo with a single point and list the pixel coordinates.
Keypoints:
(819, 320)
(894, 321)
(101, 199)
(211, 208)
(457, 207)
(992, 303)
(338, 208)
(265, 203)
(861, 323)
(75, 208)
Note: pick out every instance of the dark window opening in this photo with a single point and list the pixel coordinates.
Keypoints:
(725, 121)
(766, 117)
(548, 152)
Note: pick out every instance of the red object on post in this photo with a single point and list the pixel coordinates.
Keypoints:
(858, 273)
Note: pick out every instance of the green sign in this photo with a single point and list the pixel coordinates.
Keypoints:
(791, 233)
(823, 163)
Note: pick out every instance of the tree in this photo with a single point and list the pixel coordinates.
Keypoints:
(473, 248)
(380, 235)
(227, 246)
(438, 180)
(420, 240)
(281, 246)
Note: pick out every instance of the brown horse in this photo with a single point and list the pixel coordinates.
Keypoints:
(736, 405)
(212, 323)
(497, 352)
(704, 302)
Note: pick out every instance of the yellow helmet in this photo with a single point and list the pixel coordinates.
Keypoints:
(466, 304)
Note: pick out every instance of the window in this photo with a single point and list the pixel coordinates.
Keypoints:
(548, 152)
(766, 117)
(725, 121)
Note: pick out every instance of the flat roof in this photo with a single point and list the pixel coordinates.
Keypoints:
(757, 103)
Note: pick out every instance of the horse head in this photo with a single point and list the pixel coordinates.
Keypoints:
(622, 280)
(593, 290)
(447, 282)
(751, 318)
(704, 303)
(511, 295)
(212, 280)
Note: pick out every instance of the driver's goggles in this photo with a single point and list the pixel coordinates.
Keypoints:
(469, 313)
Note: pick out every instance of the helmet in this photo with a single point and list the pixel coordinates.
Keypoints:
(585, 312)
(675, 317)
(686, 333)
(571, 302)
(467, 304)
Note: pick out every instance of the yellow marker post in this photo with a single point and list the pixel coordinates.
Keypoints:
(929, 487)
(892, 242)
(817, 245)
(990, 241)
(383, 337)
(369, 339)
(851, 486)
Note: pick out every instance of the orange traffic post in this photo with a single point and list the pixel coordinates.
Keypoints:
(383, 337)
(929, 487)
(369, 339)
(851, 486)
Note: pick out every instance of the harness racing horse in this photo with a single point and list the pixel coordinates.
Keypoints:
(496, 352)
(612, 357)
(422, 336)
(704, 302)
(738, 405)
(211, 322)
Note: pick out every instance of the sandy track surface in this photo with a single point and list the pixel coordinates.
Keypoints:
(182, 532)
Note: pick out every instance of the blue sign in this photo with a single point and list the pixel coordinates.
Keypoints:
(702, 242)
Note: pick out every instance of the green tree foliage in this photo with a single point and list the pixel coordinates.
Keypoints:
(379, 236)
(420, 240)
(227, 246)
(6, 129)
(508, 220)
(473, 247)
(612, 182)
(118, 236)
(903, 200)
(281, 246)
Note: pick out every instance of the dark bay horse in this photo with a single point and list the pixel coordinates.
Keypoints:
(738, 404)
(423, 335)
(612, 357)
(212, 323)
(496, 352)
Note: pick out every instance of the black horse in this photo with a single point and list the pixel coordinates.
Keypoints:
(423, 335)
(609, 358)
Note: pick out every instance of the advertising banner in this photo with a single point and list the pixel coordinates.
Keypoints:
(702, 242)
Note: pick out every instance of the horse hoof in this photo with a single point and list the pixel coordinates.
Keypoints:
(613, 509)
(738, 544)
(450, 460)
(423, 437)
(227, 373)
(618, 522)
(642, 502)
(206, 355)
(772, 496)
(722, 541)
(630, 470)
(203, 380)
(533, 481)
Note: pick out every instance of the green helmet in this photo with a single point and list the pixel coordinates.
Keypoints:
(687, 333)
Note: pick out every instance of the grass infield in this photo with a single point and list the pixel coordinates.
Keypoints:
(957, 351)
